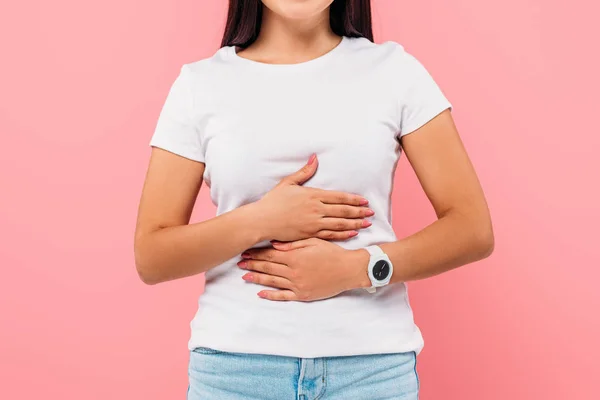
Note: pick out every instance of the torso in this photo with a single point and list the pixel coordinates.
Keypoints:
(258, 123)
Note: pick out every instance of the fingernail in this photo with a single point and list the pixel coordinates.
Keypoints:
(242, 264)
(247, 277)
(366, 223)
(369, 212)
(262, 294)
(364, 202)
(352, 233)
(312, 159)
(246, 254)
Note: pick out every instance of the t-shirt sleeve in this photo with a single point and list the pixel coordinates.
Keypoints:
(421, 98)
(176, 130)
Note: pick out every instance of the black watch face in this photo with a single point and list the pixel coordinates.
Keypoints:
(381, 270)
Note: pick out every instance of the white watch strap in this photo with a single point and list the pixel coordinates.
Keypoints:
(375, 250)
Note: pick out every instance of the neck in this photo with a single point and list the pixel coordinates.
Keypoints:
(288, 40)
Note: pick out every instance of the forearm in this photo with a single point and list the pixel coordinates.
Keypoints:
(179, 251)
(451, 241)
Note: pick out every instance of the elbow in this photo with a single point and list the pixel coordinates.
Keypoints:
(479, 235)
(146, 270)
(145, 273)
(484, 243)
(147, 276)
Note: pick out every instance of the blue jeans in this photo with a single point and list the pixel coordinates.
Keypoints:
(216, 375)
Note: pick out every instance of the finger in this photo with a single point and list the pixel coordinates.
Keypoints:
(265, 267)
(267, 280)
(265, 254)
(333, 235)
(345, 211)
(342, 224)
(297, 244)
(304, 173)
(278, 295)
(334, 197)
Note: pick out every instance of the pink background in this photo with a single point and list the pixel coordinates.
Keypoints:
(82, 84)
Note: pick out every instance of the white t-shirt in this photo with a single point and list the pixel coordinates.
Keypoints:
(254, 123)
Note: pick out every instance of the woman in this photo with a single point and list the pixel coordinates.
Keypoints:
(296, 123)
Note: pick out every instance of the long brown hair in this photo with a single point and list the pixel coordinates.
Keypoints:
(347, 18)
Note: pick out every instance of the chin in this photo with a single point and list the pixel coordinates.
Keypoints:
(297, 9)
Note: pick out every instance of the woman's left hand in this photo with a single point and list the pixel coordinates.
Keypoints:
(305, 270)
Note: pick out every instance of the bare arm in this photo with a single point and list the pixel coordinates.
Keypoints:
(167, 247)
(463, 231)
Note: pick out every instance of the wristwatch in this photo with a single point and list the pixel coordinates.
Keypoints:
(380, 268)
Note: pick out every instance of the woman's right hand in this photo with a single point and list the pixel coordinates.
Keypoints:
(294, 212)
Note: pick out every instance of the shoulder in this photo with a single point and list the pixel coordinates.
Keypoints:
(206, 67)
(389, 51)
(389, 57)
